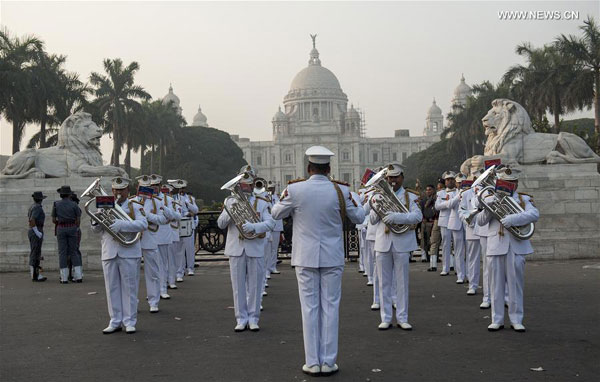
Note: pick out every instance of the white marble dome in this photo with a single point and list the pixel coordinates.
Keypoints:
(171, 97)
(279, 116)
(200, 119)
(461, 92)
(434, 110)
(352, 113)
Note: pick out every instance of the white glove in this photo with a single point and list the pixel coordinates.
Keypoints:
(507, 221)
(117, 225)
(37, 232)
(393, 218)
(248, 227)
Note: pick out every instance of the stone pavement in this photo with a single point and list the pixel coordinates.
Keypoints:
(52, 332)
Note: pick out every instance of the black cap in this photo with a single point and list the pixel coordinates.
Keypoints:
(38, 195)
(74, 198)
(65, 190)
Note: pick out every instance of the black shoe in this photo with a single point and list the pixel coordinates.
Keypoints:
(39, 280)
(78, 281)
(279, 261)
(451, 268)
(64, 282)
(434, 269)
(412, 261)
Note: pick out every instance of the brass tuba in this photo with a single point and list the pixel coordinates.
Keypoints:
(107, 216)
(502, 205)
(240, 209)
(384, 200)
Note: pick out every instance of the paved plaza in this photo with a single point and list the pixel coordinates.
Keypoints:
(52, 332)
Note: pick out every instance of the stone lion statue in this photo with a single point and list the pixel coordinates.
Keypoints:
(511, 138)
(76, 154)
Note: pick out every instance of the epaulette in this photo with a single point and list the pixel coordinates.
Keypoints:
(340, 182)
(263, 198)
(413, 191)
(296, 180)
(526, 194)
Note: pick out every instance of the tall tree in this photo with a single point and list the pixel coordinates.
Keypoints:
(17, 58)
(585, 50)
(116, 95)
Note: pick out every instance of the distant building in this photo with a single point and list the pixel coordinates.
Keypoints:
(199, 119)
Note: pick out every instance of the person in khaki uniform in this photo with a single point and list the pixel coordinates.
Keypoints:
(36, 218)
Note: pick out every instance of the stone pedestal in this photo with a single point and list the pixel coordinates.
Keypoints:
(568, 198)
(15, 200)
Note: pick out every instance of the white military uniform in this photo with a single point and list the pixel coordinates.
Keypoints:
(164, 237)
(393, 255)
(175, 247)
(275, 237)
(245, 259)
(121, 267)
(455, 225)
(506, 257)
(441, 204)
(188, 251)
(318, 257)
(473, 247)
(149, 244)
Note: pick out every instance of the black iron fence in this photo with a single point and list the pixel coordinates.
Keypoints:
(210, 239)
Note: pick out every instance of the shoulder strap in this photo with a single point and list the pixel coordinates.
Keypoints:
(521, 201)
(341, 201)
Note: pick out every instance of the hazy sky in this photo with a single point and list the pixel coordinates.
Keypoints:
(237, 59)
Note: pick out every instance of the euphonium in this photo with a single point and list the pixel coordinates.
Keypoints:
(502, 205)
(239, 208)
(107, 216)
(384, 201)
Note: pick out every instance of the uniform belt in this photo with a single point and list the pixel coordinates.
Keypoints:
(65, 225)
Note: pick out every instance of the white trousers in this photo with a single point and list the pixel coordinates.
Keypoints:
(163, 265)
(152, 275)
(246, 283)
(446, 248)
(507, 271)
(458, 237)
(320, 291)
(275, 235)
(370, 262)
(362, 251)
(174, 260)
(473, 263)
(121, 279)
(486, 269)
(187, 256)
(389, 264)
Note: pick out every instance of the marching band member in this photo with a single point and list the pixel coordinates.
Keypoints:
(506, 255)
(121, 264)
(318, 206)
(455, 226)
(441, 204)
(371, 268)
(483, 232)
(188, 251)
(175, 246)
(473, 247)
(164, 234)
(393, 251)
(153, 210)
(246, 256)
(276, 234)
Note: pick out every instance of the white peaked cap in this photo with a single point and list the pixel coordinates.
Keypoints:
(507, 173)
(319, 155)
(155, 179)
(394, 169)
(119, 182)
(448, 174)
(144, 180)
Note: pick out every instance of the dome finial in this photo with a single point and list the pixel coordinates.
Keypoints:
(314, 53)
(462, 77)
(434, 100)
(170, 87)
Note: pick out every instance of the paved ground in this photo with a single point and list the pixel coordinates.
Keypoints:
(52, 332)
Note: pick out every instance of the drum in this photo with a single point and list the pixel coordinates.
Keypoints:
(186, 227)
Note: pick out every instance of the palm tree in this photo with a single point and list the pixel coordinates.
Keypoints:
(17, 58)
(116, 95)
(542, 84)
(585, 50)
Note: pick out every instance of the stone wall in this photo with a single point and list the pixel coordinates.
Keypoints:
(568, 198)
(15, 200)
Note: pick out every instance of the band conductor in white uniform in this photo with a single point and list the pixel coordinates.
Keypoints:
(121, 264)
(246, 256)
(392, 251)
(318, 207)
(506, 255)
